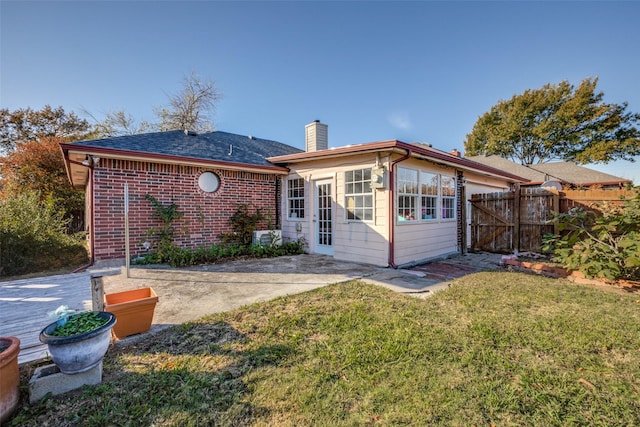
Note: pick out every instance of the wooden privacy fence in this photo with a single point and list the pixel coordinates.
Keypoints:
(518, 220)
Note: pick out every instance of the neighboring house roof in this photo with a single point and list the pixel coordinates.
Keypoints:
(509, 166)
(564, 172)
(213, 149)
(417, 150)
(577, 175)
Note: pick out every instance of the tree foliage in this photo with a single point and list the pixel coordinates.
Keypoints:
(25, 124)
(38, 166)
(33, 236)
(190, 108)
(557, 122)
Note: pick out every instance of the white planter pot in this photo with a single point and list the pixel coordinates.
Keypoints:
(79, 353)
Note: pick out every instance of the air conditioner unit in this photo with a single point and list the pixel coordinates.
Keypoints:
(267, 237)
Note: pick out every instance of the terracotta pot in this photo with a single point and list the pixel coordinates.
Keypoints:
(9, 376)
(134, 310)
(79, 353)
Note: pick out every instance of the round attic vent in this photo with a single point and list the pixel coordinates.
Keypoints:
(209, 182)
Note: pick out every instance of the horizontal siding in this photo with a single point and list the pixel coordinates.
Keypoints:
(353, 241)
(360, 242)
(417, 242)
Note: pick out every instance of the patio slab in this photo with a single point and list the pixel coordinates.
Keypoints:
(190, 293)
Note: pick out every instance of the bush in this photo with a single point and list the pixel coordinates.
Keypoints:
(184, 257)
(33, 237)
(605, 246)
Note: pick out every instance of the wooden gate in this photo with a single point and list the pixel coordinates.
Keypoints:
(492, 225)
(502, 222)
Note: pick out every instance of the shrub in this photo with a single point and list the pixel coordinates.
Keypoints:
(184, 257)
(606, 246)
(33, 236)
(243, 224)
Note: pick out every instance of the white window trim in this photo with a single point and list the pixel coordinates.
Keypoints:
(454, 198)
(370, 194)
(303, 198)
(440, 197)
(416, 196)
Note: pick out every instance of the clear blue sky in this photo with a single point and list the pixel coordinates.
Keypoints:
(414, 71)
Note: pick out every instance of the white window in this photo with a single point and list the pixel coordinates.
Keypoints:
(295, 198)
(425, 196)
(429, 194)
(448, 190)
(407, 195)
(358, 195)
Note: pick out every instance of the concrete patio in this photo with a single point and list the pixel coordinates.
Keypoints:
(190, 293)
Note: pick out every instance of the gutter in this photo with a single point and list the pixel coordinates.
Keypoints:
(392, 221)
(140, 156)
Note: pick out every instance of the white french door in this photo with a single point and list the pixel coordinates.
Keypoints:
(323, 217)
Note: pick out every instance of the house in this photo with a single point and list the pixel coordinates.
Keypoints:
(566, 173)
(386, 203)
(207, 176)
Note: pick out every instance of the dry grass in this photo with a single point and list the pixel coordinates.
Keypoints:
(496, 348)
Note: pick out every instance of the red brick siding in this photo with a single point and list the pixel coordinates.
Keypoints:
(206, 216)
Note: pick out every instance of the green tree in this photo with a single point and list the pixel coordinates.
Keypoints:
(33, 236)
(25, 124)
(557, 122)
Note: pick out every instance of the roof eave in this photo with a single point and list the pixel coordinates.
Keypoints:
(399, 146)
(80, 151)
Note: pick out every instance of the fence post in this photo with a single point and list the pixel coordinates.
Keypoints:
(555, 210)
(97, 293)
(516, 217)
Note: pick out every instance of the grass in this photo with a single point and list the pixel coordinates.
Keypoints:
(495, 349)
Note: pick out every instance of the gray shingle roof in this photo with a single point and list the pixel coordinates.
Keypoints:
(508, 166)
(557, 171)
(570, 172)
(216, 146)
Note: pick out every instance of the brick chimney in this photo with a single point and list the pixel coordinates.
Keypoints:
(317, 136)
(454, 152)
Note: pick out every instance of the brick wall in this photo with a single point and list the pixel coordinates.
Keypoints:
(206, 215)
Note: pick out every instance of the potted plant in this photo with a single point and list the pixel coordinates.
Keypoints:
(78, 343)
(9, 376)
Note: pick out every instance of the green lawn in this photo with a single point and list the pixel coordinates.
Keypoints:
(496, 348)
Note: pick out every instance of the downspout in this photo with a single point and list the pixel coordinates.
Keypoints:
(391, 206)
(91, 214)
(278, 200)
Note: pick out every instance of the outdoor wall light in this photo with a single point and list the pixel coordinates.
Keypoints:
(89, 159)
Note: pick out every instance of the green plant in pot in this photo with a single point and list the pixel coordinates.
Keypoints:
(77, 343)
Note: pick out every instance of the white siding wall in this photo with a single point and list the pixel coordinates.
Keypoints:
(353, 240)
(367, 242)
(422, 240)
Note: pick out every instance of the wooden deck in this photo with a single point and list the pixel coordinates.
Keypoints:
(25, 304)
